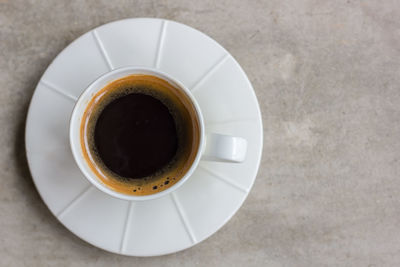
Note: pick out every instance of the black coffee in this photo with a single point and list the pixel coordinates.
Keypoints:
(140, 134)
(135, 135)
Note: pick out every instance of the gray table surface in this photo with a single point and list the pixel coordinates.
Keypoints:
(327, 76)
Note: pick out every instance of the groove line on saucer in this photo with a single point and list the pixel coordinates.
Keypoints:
(74, 201)
(126, 231)
(56, 89)
(224, 179)
(210, 72)
(224, 122)
(102, 49)
(183, 217)
(160, 44)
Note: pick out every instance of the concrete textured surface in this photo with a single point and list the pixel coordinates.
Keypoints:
(327, 75)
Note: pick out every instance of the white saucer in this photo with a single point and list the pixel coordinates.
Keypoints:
(206, 201)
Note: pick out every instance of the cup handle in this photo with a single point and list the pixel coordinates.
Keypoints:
(225, 148)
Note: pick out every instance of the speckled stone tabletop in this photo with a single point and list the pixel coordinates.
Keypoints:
(327, 76)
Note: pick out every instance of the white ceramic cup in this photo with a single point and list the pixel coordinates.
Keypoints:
(212, 146)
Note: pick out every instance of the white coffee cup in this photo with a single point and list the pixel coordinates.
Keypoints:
(212, 146)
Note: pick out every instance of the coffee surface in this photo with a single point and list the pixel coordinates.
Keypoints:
(140, 134)
(135, 135)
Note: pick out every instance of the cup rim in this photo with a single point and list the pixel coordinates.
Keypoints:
(76, 118)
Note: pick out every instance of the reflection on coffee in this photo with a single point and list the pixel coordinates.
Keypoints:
(140, 134)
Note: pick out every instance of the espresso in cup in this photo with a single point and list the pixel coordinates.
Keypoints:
(140, 134)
